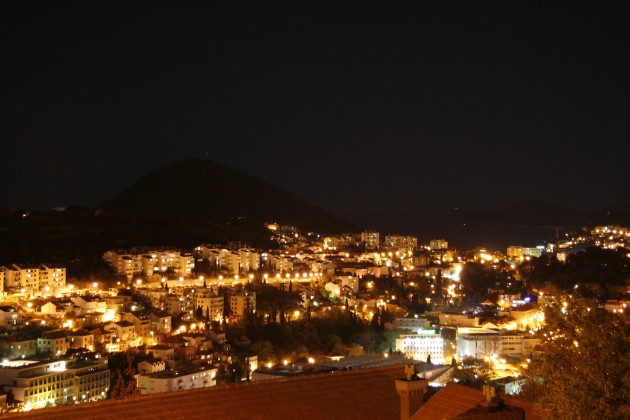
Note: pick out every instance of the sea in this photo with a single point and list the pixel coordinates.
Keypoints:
(460, 235)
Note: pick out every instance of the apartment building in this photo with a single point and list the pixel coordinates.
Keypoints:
(242, 302)
(210, 303)
(371, 239)
(150, 263)
(31, 278)
(401, 243)
(40, 384)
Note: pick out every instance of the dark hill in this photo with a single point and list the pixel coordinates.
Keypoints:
(180, 205)
(206, 192)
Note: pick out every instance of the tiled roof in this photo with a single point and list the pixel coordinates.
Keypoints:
(353, 394)
(457, 401)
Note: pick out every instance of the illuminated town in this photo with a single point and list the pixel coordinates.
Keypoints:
(171, 312)
(314, 210)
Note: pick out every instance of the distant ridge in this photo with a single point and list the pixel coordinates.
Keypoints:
(207, 192)
(179, 205)
(532, 213)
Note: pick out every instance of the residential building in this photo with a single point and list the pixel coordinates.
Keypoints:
(210, 304)
(183, 350)
(437, 244)
(124, 334)
(90, 304)
(150, 263)
(411, 324)
(81, 339)
(177, 380)
(151, 366)
(514, 252)
(458, 320)
(51, 276)
(54, 343)
(20, 278)
(16, 346)
(10, 317)
(371, 239)
(401, 243)
(40, 384)
(162, 352)
(241, 303)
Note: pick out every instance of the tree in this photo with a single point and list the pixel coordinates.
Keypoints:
(585, 371)
(124, 381)
(472, 372)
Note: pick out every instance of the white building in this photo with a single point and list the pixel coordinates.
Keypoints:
(177, 380)
(458, 320)
(484, 343)
(479, 345)
(420, 346)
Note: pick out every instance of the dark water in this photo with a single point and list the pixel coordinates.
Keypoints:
(459, 235)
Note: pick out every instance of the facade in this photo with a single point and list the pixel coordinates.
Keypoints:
(370, 239)
(150, 263)
(51, 276)
(210, 303)
(162, 352)
(250, 260)
(10, 317)
(151, 366)
(458, 320)
(514, 252)
(487, 343)
(241, 303)
(81, 339)
(40, 384)
(177, 380)
(90, 304)
(20, 278)
(123, 335)
(479, 345)
(17, 347)
(420, 346)
(437, 244)
(411, 324)
(401, 243)
(30, 278)
(54, 343)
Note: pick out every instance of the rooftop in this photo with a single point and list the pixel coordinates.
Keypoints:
(458, 401)
(352, 394)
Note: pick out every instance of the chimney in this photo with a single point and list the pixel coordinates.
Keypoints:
(411, 391)
(491, 402)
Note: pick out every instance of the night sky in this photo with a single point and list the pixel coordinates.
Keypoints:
(355, 109)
